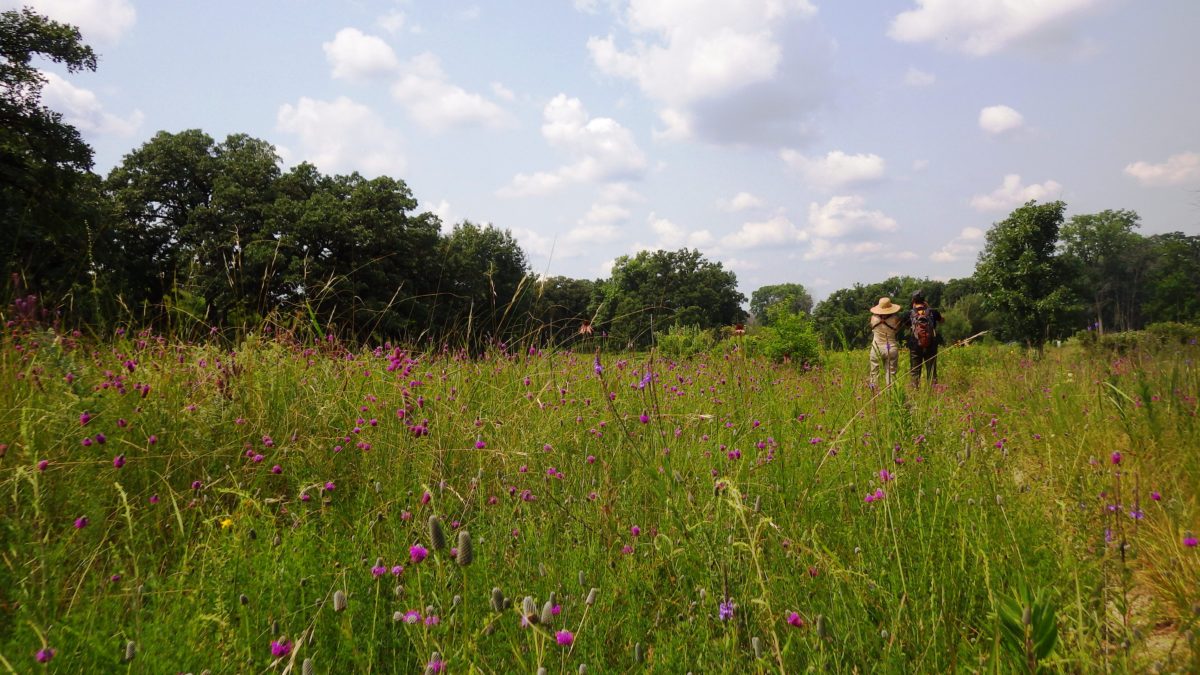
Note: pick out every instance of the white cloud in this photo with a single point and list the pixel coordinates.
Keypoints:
(998, 119)
(836, 169)
(469, 13)
(776, 231)
(1012, 194)
(703, 59)
(959, 247)
(981, 27)
(671, 236)
(620, 193)
(355, 55)
(864, 250)
(103, 21)
(392, 22)
(920, 164)
(501, 91)
(918, 78)
(437, 104)
(739, 202)
(440, 209)
(1178, 169)
(843, 215)
(602, 150)
(342, 136)
(82, 109)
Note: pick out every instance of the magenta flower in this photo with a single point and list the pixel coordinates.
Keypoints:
(83, 420)
(794, 619)
(412, 616)
(196, 485)
(81, 522)
(885, 475)
(41, 466)
(101, 439)
(635, 530)
(479, 445)
(153, 499)
(1116, 458)
(277, 469)
(435, 666)
(1156, 496)
(417, 553)
(44, 655)
(564, 637)
(644, 418)
(281, 648)
(725, 611)
(329, 486)
(1190, 541)
(87, 442)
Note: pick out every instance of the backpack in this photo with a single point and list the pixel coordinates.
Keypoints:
(924, 328)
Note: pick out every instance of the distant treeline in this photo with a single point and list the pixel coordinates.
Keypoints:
(188, 234)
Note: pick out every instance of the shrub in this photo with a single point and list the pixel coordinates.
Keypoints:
(680, 340)
(790, 336)
(1173, 332)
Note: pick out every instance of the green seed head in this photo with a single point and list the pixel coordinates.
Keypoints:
(466, 553)
(437, 538)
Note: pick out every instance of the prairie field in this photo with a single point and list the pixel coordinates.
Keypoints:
(282, 506)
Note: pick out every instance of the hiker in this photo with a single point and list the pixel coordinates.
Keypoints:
(885, 345)
(922, 322)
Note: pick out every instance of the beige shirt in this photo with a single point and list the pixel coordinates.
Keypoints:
(885, 329)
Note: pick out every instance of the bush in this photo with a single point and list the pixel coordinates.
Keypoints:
(1173, 332)
(790, 336)
(680, 340)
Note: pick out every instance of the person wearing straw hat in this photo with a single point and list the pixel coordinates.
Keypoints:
(885, 348)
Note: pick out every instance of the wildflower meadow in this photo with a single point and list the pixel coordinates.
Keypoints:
(279, 505)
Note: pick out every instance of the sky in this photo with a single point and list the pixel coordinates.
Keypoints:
(795, 141)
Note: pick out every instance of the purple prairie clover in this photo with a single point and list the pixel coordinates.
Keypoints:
(86, 442)
(1190, 541)
(1156, 496)
(480, 445)
(564, 637)
(84, 418)
(81, 522)
(417, 553)
(41, 466)
(329, 486)
(118, 461)
(644, 418)
(635, 530)
(432, 620)
(277, 469)
(44, 654)
(725, 611)
(154, 499)
(794, 619)
(597, 367)
(412, 616)
(885, 475)
(1116, 458)
(280, 648)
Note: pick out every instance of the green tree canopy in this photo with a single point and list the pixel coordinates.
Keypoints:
(795, 297)
(654, 290)
(1023, 276)
(1106, 263)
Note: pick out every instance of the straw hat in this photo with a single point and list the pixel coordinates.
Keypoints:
(885, 306)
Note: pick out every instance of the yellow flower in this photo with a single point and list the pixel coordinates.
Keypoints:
(228, 522)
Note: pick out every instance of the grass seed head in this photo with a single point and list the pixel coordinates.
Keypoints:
(591, 597)
(306, 668)
(466, 552)
(497, 600)
(437, 538)
(130, 651)
(339, 601)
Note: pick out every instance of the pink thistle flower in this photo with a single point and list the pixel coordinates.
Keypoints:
(417, 553)
(81, 522)
(1116, 458)
(564, 637)
(281, 648)
(118, 461)
(794, 619)
(44, 655)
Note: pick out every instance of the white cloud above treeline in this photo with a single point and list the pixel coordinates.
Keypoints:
(998, 119)
(341, 136)
(1177, 170)
(1012, 194)
(82, 109)
(102, 21)
(836, 169)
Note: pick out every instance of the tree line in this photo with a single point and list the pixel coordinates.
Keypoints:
(189, 233)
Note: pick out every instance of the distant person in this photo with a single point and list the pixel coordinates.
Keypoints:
(885, 345)
(922, 322)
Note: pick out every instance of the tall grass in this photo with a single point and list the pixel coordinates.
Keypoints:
(904, 532)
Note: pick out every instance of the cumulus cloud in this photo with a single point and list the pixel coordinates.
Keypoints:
(1177, 170)
(981, 27)
(355, 55)
(437, 104)
(1012, 194)
(501, 91)
(822, 249)
(844, 215)
(440, 209)
(966, 244)
(671, 236)
(601, 150)
(342, 136)
(392, 22)
(776, 231)
(836, 169)
(918, 78)
(104, 21)
(998, 119)
(82, 109)
(720, 70)
(739, 202)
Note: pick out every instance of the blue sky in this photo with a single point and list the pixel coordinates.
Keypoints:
(793, 140)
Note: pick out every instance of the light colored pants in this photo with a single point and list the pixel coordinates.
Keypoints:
(887, 353)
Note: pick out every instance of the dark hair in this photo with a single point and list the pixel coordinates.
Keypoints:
(918, 296)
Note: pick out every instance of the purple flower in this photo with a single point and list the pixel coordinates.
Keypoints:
(196, 485)
(44, 655)
(378, 571)
(794, 619)
(597, 367)
(154, 499)
(281, 648)
(432, 620)
(1156, 496)
(435, 666)
(41, 466)
(417, 553)
(329, 486)
(87, 442)
(479, 445)
(635, 530)
(412, 616)
(644, 418)
(885, 475)
(101, 439)
(277, 469)
(1116, 458)
(1190, 541)
(564, 637)
(81, 522)
(397, 570)
(725, 611)
(119, 461)
(83, 420)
